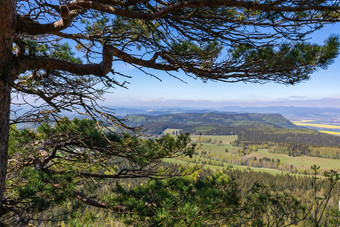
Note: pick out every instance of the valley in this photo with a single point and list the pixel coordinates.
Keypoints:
(259, 142)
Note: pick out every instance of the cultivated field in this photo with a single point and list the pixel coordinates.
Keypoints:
(318, 125)
(333, 129)
(300, 162)
(229, 166)
(224, 139)
(172, 131)
(217, 152)
(332, 133)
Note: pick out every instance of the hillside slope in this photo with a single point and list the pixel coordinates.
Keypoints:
(188, 121)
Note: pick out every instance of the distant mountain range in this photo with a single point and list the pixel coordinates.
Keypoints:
(290, 112)
(194, 122)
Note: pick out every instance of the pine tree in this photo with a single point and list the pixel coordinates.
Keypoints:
(228, 41)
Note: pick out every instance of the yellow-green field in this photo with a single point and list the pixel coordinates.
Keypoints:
(324, 128)
(213, 154)
(303, 121)
(300, 162)
(330, 132)
(228, 166)
(172, 131)
(317, 125)
(224, 139)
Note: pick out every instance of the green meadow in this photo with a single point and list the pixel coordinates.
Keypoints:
(217, 152)
(224, 139)
(227, 166)
(299, 161)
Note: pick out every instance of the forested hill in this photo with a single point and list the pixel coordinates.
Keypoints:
(183, 120)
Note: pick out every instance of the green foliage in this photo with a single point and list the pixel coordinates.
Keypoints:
(21, 137)
(301, 149)
(296, 137)
(123, 30)
(62, 51)
(86, 221)
(296, 56)
(204, 201)
(36, 190)
(205, 53)
(53, 162)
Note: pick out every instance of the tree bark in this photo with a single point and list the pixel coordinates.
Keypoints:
(4, 131)
(7, 28)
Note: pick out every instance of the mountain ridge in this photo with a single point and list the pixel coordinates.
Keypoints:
(212, 119)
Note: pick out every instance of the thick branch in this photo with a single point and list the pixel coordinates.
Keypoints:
(35, 63)
(196, 3)
(109, 51)
(69, 11)
(30, 63)
(80, 196)
(124, 173)
(31, 27)
(145, 63)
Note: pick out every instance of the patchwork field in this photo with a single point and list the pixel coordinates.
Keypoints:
(300, 162)
(229, 166)
(218, 152)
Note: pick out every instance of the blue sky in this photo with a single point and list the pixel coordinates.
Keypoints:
(321, 90)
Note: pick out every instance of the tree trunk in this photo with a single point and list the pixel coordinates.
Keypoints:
(7, 32)
(4, 131)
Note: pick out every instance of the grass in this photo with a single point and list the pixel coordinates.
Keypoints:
(172, 131)
(216, 150)
(228, 166)
(224, 139)
(300, 162)
(215, 154)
